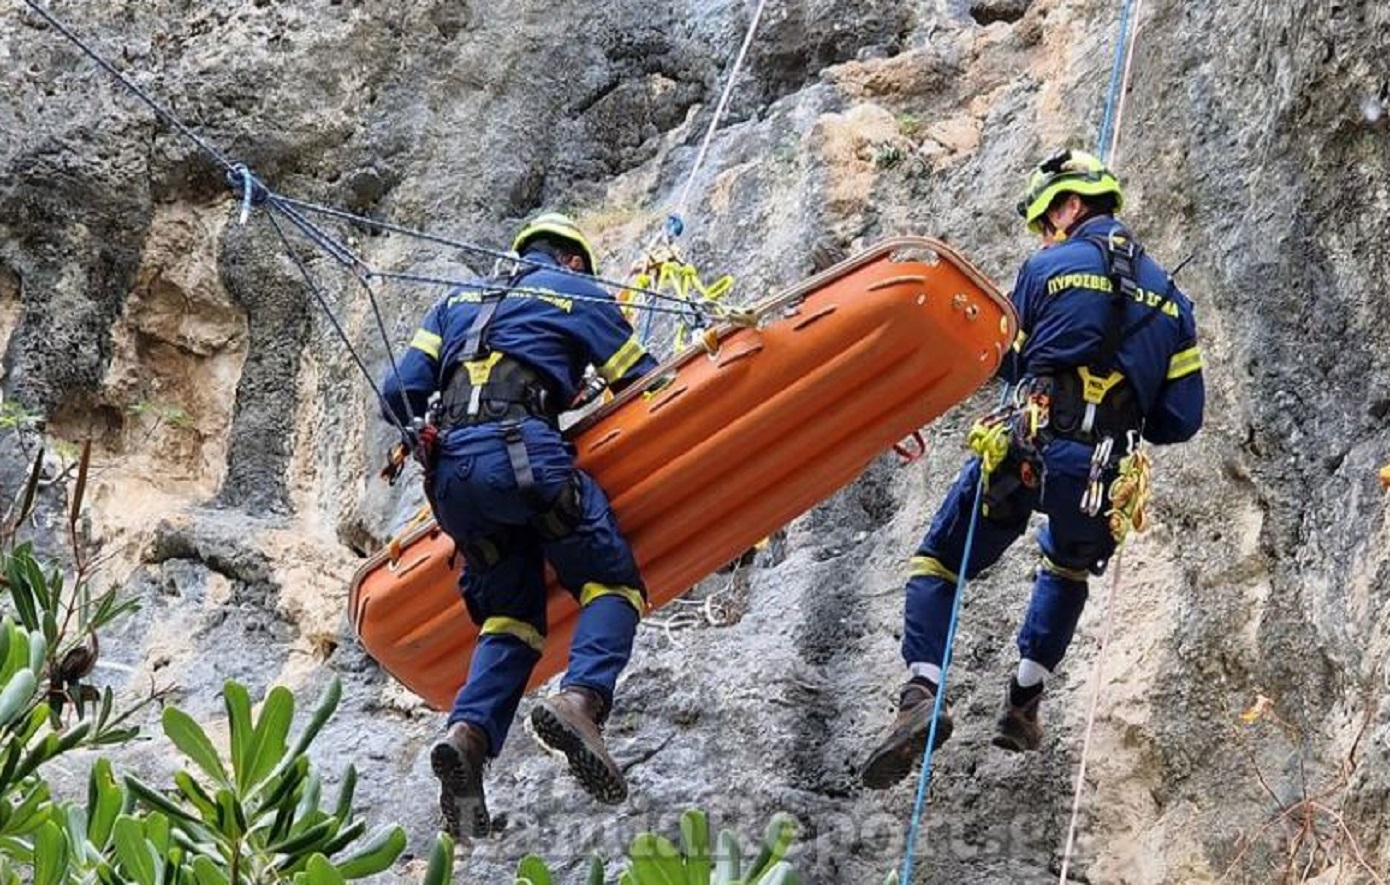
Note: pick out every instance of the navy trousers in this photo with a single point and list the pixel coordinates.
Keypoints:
(1074, 545)
(477, 500)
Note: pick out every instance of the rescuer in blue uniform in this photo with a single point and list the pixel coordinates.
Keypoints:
(502, 483)
(1106, 350)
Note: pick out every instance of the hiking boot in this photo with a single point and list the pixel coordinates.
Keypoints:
(570, 724)
(1017, 729)
(458, 761)
(906, 740)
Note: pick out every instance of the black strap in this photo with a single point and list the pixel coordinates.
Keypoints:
(521, 462)
(487, 309)
(1122, 268)
(476, 342)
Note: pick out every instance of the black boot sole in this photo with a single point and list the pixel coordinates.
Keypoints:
(900, 752)
(461, 798)
(604, 783)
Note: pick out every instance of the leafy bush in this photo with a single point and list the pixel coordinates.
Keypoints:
(655, 860)
(255, 815)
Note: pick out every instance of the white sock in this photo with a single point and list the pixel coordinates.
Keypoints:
(1031, 673)
(930, 672)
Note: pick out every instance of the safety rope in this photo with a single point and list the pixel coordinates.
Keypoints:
(1129, 498)
(1124, 85)
(1129, 492)
(924, 779)
(1114, 95)
(1092, 707)
(720, 108)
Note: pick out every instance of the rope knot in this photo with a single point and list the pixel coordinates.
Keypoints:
(253, 193)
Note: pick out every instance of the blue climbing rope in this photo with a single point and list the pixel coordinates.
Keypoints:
(924, 779)
(1116, 79)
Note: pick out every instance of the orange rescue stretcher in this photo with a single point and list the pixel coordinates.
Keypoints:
(750, 430)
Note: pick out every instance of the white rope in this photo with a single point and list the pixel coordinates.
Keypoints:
(1124, 85)
(721, 107)
(1096, 673)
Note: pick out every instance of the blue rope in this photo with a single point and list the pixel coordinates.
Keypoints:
(322, 299)
(1116, 78)
(924, 780)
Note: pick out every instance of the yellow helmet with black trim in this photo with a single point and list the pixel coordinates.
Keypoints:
(1070, 172)
(558, 226)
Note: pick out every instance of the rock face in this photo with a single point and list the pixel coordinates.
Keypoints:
(238, 441)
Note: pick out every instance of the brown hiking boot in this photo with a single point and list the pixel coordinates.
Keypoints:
(1017, 729)
(906, 740)
(458, 761)
(570, 724)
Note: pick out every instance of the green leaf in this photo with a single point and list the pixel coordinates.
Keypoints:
(376, 855)
(327, 704)
(728, 860)
(267, 747)
(655, 861)
(195, 794)
(695, 847)
(50, 855)
(157, 800)
(343, 809)
(300, 845)
(286, 783)
(596, 871)
(209, 873)
(780, 873)
(534, 870)
(345, 836)
(777, 841)
(441, 868)
(105, 800)
(38, 650)
(231, 819)
(133, 851)
(240, 727)
(193, 742)
(32, 812)
(320, 872)
(18, 692)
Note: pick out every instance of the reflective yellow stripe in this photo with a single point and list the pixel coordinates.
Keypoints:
(512, 627)
(1071, 574)
(594, 590)
(626, 357)
(1185, 362)
(1018, 342)
(427, 342)
(931, 567)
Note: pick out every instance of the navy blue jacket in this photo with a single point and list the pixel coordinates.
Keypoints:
(558, 325)
(1063, 300)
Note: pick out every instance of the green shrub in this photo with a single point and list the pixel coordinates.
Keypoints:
(655, 860)
(252, 815)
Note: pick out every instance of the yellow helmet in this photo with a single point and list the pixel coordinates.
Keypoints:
(1070, 172)
(558, 226)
